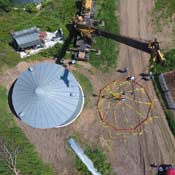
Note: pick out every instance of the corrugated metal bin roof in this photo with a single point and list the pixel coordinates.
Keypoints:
(47, 95)
(27, 38)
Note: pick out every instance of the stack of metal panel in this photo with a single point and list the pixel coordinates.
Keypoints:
(162, 82)
(164, 87)
(80, 153)
(169, 99)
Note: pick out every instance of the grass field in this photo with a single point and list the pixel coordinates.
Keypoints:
(86, 85)
(28, 161)
(163, 14)
(165, 8)
(106, 11)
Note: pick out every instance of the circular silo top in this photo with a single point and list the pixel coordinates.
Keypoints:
(47, 95)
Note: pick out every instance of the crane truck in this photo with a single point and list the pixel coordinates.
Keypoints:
(86, 26)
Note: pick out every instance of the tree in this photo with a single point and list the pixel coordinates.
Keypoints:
(5, 5)
(9, 155)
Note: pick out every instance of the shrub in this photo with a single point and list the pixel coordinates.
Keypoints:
(31, 8)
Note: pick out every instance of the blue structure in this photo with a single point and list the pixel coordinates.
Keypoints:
(26, 1)
(47, 95)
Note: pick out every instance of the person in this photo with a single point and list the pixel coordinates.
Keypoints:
(148, 76)
(132, 78)
(151, 76)
(125, 70)
(123, 98)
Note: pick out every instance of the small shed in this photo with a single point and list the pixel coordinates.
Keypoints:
(28, 38)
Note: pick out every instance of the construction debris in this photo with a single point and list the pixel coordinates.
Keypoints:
(80, 153)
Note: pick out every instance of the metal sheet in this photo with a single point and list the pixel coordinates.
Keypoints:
(163, 83)
(80, 153)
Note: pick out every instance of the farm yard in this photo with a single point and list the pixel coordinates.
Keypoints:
(123, 122)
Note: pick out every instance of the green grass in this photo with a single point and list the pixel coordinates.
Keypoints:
(56, 14)
(98, 158)
(106, 10)
(169, 64)
(95, 153)
(28, 161)
(86, 85)
(163, 14)
(8, 57)
(165, 8)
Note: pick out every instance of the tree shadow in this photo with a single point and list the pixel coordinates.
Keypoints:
(70, 40)
(78, 5)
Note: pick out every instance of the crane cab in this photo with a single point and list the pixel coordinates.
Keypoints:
(87, 5)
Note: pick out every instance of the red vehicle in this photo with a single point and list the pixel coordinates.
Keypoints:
(164, 169)
(170, 171)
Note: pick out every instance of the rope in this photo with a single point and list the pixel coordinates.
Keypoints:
(108, 90)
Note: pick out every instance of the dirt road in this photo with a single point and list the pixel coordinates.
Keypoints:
(157, 144)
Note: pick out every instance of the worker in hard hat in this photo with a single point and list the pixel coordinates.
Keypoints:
(118, 96)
